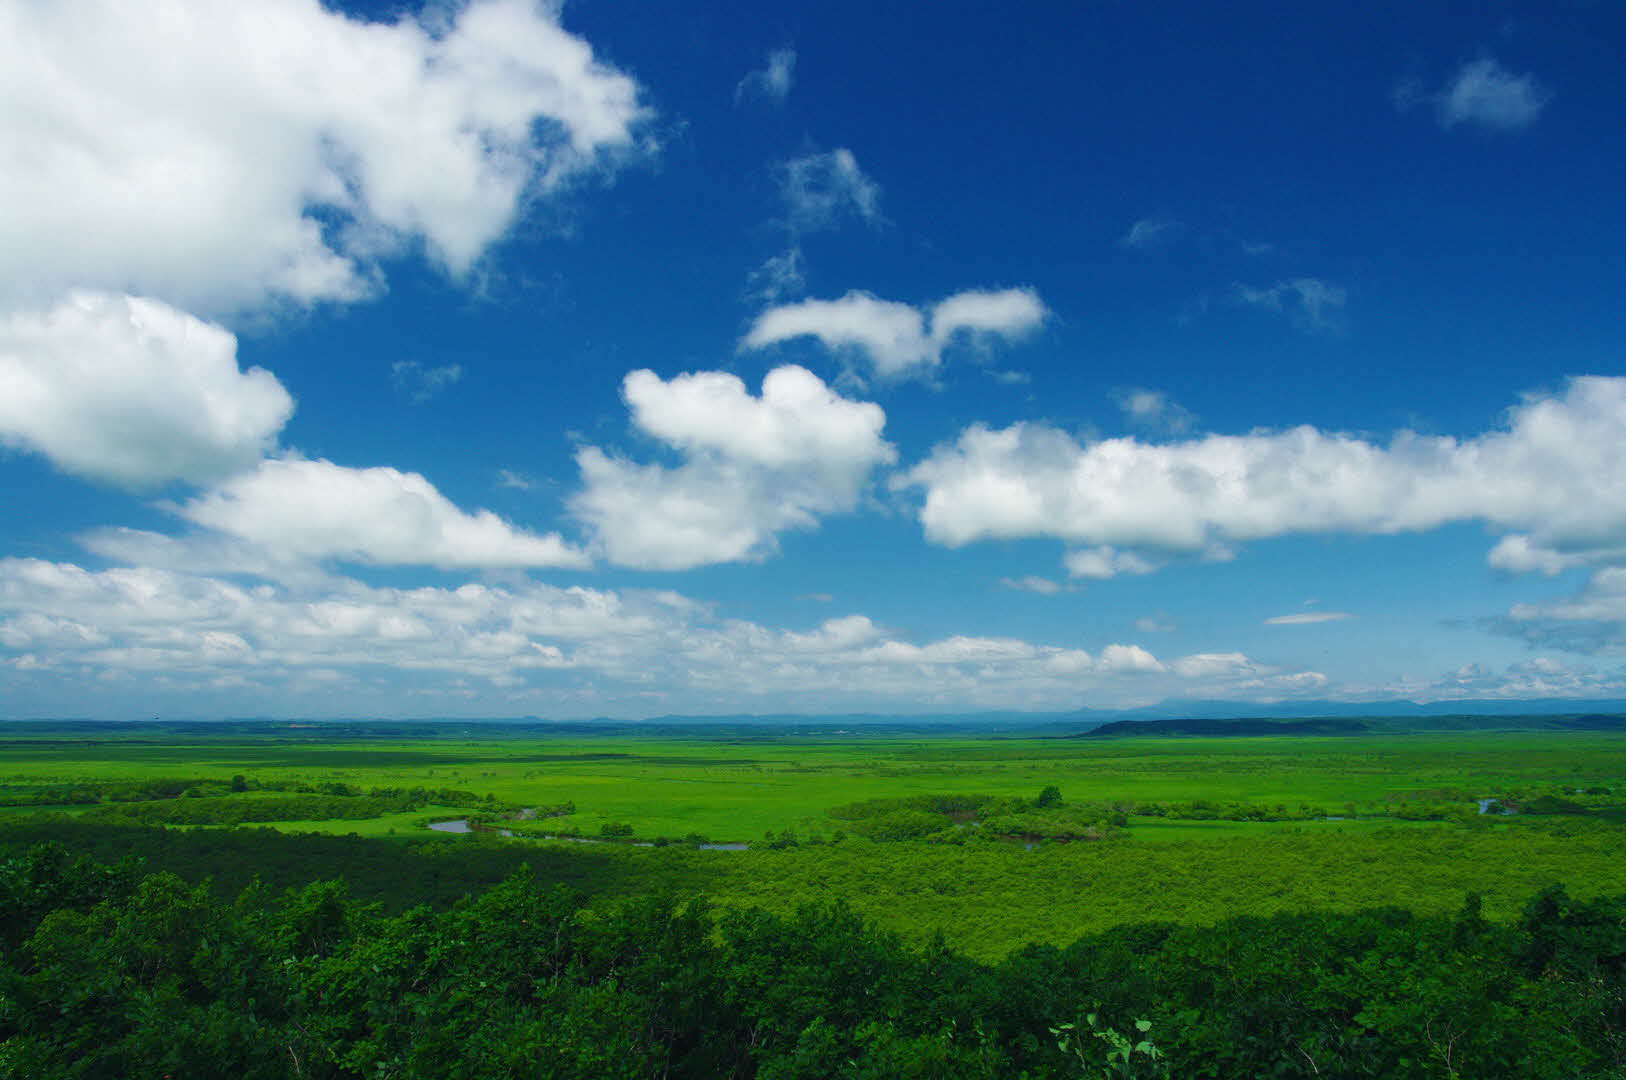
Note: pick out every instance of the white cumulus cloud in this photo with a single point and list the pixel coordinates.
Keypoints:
(133, 392)
(1550, 476)
(316, 510)
(752, 467)
(186, 634)
(1105, 561)
(217, 154)
(897, 339)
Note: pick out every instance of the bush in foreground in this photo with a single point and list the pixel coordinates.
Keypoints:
(108, 973)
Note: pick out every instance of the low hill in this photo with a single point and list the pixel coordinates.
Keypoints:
(1321, 725)
(1351, 725)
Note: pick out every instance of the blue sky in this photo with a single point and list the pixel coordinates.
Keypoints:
(498, 359)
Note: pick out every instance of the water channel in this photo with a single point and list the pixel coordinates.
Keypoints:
(462, 826)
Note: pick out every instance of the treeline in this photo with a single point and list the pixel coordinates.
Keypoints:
(81, 793)
(151, 790)
(105, 972)
(957, 819)
(244, 810)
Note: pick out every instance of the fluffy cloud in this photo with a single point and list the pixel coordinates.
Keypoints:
(820, 190)
(133, 392)
(1205, 665)
(771, 82)
(1549, 477)
(1315, 306)
(897, 339)
(315, 510)
(1105, 561)
(152, 621)
(1487, 95)
(200, 553)
(217, 154)
(752, 467)
(186, 633)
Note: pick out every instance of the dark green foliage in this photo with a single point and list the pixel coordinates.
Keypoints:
(1227, 728)
(238, 810)
(107, 976)
(954, 819)
(1551, 804)
(46, 879)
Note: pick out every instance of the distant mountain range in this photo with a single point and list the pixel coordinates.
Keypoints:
(1174, 717)
(1391, 707)
(1355, 725)
(1084, 719)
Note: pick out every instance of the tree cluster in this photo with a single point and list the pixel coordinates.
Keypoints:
(105, 972)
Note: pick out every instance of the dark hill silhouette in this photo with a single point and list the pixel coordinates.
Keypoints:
(1325, 725)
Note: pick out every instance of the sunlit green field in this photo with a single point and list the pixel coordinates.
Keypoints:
(737, 790)
(1353, 843)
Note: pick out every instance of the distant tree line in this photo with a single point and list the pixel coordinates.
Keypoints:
(149, 790)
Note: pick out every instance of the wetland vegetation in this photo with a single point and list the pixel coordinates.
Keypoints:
(1270, 905)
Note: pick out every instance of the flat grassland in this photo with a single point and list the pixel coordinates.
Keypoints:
(1191, 830)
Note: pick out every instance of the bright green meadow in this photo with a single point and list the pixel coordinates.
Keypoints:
(1186, 830)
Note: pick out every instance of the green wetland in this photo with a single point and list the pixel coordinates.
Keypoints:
(1157, 879)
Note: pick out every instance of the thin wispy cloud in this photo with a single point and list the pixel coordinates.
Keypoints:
(1154, 411)
(780, 276)
(1306, 618)
(1151, 232)
(770, 83)
(824, 189)
(1481, 94)
(1315, 306)
(1033, 583)
(418, 383)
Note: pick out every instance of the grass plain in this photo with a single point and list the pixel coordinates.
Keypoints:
(985, 897)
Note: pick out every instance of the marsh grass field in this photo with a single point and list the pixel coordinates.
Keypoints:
(1202, 829)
